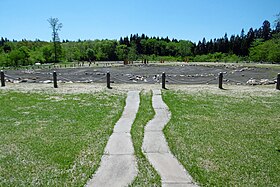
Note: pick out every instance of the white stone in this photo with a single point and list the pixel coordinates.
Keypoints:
(47, 82)
(252, 82)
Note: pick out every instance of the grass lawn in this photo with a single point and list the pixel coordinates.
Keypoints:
(147, 176)
(54, 139)
(226, 140)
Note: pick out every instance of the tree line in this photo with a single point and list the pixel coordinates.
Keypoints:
(261, 44)
(237, 44)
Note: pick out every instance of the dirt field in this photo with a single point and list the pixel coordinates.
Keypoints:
(177, 73)
(76, 88)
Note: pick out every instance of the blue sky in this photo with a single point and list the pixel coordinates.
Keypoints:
(111, 19)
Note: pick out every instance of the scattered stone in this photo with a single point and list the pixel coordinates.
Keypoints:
(31, 81)
(15, 81)
(264, 81)
(252, 82)
(24, 80)
(28, 71)
(47, 82)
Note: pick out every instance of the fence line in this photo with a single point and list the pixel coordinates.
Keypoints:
(122, 80)
(162, 77)
(63, 78)
(236, 81)
(11, 77)
(100, 78)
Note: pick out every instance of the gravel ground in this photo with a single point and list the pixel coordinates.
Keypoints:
(179, 76)
(177, 73)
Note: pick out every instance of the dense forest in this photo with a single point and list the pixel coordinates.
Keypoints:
(257, 45)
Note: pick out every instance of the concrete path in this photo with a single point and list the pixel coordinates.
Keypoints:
(118, 164)
(157, 151)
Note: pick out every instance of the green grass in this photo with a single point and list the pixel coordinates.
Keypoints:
(226, 140)
(147, 176)
(54, 140)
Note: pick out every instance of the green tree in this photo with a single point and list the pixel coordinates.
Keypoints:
(47, 53)
(185, 48)
(266, 30)
(122, 52)
(15, 57)
(4, 60)
(132, 52)
(36, 56)
(267, 51)
(90, 54)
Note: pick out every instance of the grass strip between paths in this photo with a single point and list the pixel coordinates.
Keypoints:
(54, 139)
(226, 140)
(147, 175)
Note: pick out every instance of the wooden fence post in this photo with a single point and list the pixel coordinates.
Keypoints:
(108, 80)
(163, 80)
(2, 78)
(278, 82)
(55, 80)
(221, 80)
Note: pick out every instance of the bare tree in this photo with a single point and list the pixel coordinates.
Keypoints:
(55, 26)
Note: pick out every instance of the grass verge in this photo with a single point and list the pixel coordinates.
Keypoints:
(54, 139)
(147, 176)
(226, 140)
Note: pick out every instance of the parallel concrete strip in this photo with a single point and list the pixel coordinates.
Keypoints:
(157, 151)
(118, 164)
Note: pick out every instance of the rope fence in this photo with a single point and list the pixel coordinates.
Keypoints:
(122, 80)
(190, 81)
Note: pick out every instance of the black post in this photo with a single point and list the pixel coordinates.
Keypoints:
(221, 80)
(163, 80)
(2, 78)
(108, 80)
(278, 82)
(55, 80)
